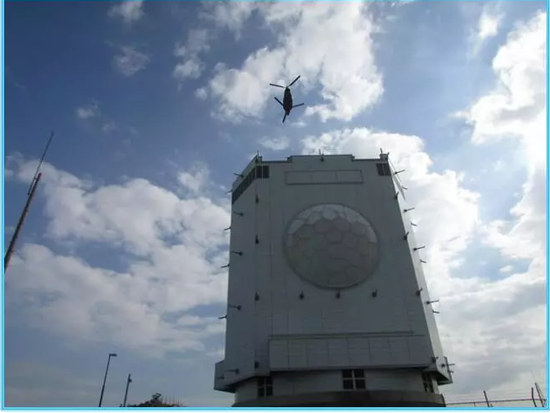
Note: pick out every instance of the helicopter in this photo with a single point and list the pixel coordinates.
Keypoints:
(287, 100)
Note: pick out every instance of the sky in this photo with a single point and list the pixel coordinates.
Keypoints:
(155, 106)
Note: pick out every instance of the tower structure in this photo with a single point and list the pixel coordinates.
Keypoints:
(327, 301)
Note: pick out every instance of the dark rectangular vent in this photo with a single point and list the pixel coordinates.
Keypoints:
(383, 169)
(259, 172)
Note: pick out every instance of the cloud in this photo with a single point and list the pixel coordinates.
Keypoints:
(275, 144)
(196, 180)
(129, 11)
(191, 68)
(167, 245)
(109, 127)
(516, 110)
(50, 386)
(309, 44)
(507, 269)
(88, 112)
(191, 65)
(130, 61)
(201, 93)
(487, 27)
(480, 316)
(231, 15)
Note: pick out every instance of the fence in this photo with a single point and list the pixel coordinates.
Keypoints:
(533, 398)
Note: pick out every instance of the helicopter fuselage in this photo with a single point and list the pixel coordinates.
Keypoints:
(287, 101)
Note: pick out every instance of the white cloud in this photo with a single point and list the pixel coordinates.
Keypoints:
(109, 127)
(480, 317)
(130, 11)
(516, 110)
(507, 269)
(196, 180)
(201, 93)
(245, 92)
(231, 15)
(488, 24)
(191, 65)
(275, 144)
(191, 68)
(51, 386)
(487, 27)
(309, 44)
(88, 112)
(130, 61)
(197, 41)
(170, 244)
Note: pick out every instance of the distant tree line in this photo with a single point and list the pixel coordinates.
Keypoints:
(155, 401)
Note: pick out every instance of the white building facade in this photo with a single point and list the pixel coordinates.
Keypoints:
(327, 301)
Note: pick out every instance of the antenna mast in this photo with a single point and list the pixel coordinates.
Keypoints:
(30, 195)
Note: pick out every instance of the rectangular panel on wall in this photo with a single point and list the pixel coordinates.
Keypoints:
(359, 351)
(297, 353)
(355, 176)
(419, 350)
(323, 177)
(380, 350)
(336, 351)
(278, 354)
(317, 352)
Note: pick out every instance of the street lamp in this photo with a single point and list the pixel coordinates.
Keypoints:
(126, 392)
(105, 378)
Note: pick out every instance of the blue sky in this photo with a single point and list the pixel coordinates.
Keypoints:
(156, 104)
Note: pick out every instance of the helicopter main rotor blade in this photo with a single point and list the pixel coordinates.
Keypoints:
(294, 81)
(284, 117)
(280, 103)
(299, 104)
(272, 84)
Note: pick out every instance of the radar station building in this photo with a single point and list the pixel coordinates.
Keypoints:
(327, 301)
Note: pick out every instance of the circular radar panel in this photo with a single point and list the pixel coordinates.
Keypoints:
(331, 246)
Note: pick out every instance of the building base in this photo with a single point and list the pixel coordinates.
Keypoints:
(379, 398)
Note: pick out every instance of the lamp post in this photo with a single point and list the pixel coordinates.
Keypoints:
(126, 392)
(105, 378)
